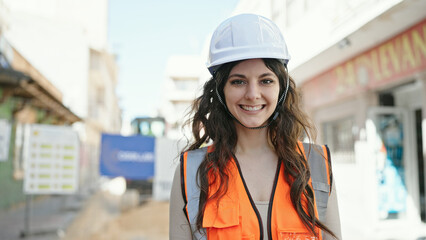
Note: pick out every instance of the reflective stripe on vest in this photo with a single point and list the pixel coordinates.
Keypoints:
(192, 192)
(319, 175)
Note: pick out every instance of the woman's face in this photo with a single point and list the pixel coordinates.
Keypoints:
(251, 92)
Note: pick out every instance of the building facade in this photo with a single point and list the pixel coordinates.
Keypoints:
(370, 109)
(65, 76)
(103, 113)
(184, 78)
(26, 97)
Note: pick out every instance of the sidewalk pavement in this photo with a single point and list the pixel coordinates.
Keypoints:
(355, 207)
(68, 217)
(48, 218)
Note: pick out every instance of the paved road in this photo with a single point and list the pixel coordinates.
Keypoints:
(67, 217)
(49, 216)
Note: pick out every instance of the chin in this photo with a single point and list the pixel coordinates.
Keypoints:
(253, 125)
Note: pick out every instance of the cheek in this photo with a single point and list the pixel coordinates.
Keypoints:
(229, 98)
(231, 95)
(274, 95)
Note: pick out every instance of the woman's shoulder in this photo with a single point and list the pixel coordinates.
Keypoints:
(307, 147)
(194, 155)
(202, 150)
(310, 144)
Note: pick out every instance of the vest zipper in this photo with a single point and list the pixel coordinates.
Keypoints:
(271, 201)
(253, 205)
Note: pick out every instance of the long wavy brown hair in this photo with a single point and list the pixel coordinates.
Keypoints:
(210, 121)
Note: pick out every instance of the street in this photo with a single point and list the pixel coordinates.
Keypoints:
(90, 216)
(100, 220)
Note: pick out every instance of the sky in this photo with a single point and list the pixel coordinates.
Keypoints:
(145, 33)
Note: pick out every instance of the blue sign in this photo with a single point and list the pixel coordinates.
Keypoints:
(130, 157)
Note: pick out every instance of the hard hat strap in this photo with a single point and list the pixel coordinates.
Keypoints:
(276, 113)
(284, 95)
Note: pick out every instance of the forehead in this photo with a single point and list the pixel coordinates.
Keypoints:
(251, 67)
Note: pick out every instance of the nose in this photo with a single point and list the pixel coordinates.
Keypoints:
(252, 91)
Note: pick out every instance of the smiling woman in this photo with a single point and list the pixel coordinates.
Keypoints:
(256, 180)
(251, 92)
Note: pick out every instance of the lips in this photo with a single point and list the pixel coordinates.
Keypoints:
(252, 108)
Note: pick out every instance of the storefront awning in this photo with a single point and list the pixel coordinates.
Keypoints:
(18, 84)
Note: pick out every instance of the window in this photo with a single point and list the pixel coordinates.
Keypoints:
(190, 84)
(339, 137)
(100, 96)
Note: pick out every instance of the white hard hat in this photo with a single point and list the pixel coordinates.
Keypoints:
(246, 36)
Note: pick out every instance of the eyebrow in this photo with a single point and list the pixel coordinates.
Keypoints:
(243, 76)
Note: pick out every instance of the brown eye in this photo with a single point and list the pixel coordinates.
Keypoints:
(267, 81)
(237, 82)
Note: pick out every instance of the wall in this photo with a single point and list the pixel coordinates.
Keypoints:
(8, 184)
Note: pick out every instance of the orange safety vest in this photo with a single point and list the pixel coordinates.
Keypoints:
(237, 217)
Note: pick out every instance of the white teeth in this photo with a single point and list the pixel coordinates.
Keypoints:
(249, 108)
